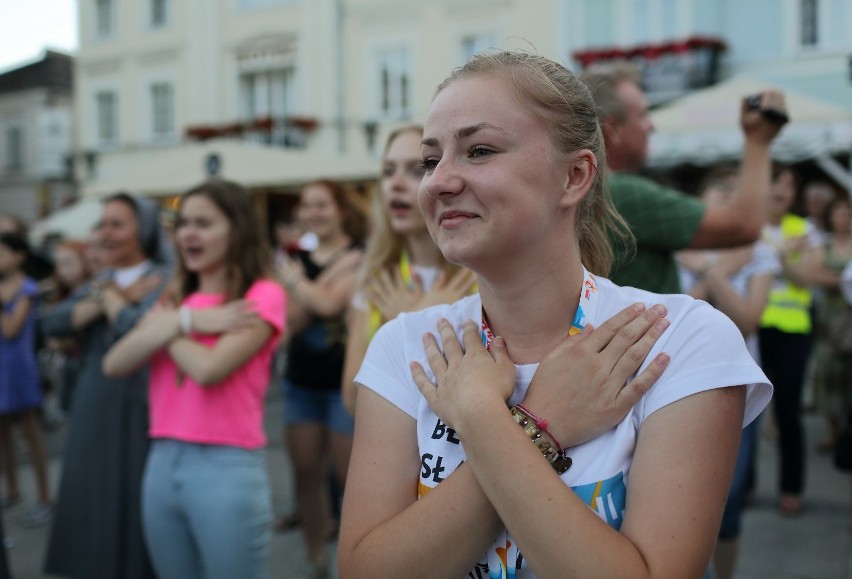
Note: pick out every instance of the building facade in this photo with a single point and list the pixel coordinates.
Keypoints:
(270, 93)
(36, 136)
(275, 93)
(801, 46)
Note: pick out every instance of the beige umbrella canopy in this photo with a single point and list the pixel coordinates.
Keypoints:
(703, 127)
(73, 222)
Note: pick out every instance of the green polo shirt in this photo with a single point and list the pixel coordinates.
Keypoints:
(663, 220)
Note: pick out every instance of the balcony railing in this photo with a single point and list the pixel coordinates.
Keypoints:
(289, 132)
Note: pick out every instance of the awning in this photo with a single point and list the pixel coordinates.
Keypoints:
(171, 170)
(703, 127)
(73, 222)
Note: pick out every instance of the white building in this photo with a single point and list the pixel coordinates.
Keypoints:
(275, 93)
(270, 93)
(35, 136)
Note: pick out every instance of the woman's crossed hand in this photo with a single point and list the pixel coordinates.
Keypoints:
(582, 387)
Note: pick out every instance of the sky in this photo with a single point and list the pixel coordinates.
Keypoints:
(27, 27)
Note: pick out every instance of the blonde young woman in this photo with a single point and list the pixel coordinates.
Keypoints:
(403, 269)
(502, 436)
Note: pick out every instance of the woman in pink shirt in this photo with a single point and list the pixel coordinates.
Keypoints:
(206, 498)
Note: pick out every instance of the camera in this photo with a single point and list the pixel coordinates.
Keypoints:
(753, 104)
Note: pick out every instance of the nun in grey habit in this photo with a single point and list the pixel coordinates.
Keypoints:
(97, 529)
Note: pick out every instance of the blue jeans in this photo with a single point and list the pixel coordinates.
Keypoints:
(206, 510)
(303, 405)
(733, 515)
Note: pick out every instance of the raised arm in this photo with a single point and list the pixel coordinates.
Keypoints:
(741, 221)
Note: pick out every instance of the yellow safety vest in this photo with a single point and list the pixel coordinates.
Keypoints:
(788, 306)
(376, 319)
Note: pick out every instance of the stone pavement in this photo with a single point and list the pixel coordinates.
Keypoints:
(816, 545)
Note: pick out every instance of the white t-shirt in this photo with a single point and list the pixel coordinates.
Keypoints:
(707, 351)
(127, 276)
(764, 260)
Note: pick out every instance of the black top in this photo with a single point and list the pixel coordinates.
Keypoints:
(315, 357)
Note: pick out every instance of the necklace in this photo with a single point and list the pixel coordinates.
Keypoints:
(586, 308)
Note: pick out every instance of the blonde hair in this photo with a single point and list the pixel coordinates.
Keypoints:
(558, 98)
(385, 247)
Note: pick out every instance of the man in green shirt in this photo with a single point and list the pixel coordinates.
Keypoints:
(664, 220)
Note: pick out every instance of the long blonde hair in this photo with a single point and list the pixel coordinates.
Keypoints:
(558, 97)
(385, 247)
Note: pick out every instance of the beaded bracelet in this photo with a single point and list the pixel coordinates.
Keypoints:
(542, 438)
(542, 425)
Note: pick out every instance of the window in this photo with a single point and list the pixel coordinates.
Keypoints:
(809, 21)
(107, 111)
(268, 105)
(103, 18)
(14, 149)
(822, 25)
(655, 20)
(162, 109)
(394, 84)
(159, 13)
(267, 94)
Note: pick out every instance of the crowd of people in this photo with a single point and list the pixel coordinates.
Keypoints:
(517, 286)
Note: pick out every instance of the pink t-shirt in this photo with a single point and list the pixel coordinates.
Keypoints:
(229, 413)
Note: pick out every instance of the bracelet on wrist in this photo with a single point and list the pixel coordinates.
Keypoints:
(536, 429)
(185, 319)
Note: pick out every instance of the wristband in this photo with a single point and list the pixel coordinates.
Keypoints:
(542, 438)
(185, 315)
